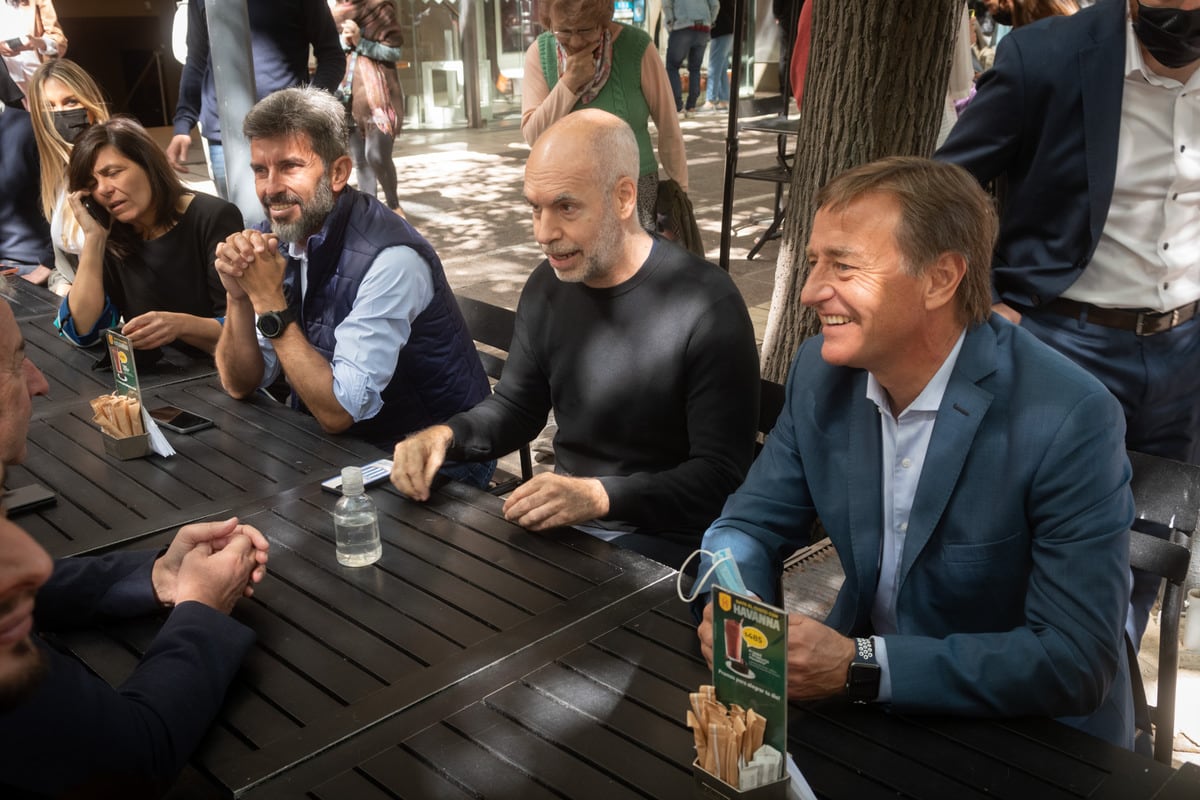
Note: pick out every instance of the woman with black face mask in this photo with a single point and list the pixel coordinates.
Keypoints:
(63, 101)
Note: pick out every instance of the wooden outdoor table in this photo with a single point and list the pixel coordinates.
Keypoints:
(255, 449)
(28, 301)
(72, 373)
(460, 600)
(601, 715)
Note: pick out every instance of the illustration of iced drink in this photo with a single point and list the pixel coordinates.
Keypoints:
(733, 647)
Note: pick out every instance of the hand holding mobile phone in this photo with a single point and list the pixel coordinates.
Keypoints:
(98, 212)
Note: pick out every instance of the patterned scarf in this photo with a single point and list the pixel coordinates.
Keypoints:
(603, 67)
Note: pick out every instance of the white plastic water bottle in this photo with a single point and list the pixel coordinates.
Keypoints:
(356, 523)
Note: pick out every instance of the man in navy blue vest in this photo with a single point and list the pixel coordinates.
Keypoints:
(378, 347)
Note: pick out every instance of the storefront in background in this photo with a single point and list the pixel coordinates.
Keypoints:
(462, 61)
(440, 81)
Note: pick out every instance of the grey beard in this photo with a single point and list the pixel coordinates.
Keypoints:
(312, 215)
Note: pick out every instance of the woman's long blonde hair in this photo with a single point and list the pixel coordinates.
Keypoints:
(53, 152)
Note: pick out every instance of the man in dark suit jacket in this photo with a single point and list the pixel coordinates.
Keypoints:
(66, 732)
(1087, 124)
(973, 481)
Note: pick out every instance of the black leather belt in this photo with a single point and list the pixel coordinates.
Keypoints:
(1141, 321)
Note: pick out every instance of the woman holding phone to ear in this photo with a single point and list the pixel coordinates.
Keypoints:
(63, 102)
(148, 245)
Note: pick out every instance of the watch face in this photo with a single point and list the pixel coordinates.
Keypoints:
(272, 323)
(268, 324)
(862, 683)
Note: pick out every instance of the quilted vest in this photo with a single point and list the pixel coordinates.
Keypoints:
(438, 372)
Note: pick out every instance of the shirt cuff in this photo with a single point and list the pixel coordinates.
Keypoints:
(885, 676)
(65, 323)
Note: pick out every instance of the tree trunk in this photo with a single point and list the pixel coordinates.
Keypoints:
(876, 84)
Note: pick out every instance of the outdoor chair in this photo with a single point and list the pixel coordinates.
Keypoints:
(1166, 495)
(492, 326)
(770, 404)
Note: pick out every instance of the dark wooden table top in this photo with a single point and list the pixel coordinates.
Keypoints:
(28, 301)
(460, 597)
(73, 374)
(476, 659)
(256, 449)
(598, 712)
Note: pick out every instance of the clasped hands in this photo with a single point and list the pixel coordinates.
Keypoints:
(818, 656)
(543, 502)
(213, 563)
(251, 267)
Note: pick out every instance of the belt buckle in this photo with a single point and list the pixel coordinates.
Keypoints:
(1155, 316)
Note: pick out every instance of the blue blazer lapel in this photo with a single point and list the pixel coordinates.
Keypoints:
(864, 494)
(959, 416)
(1101, 78)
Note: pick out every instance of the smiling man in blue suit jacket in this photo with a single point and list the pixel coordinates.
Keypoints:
(974, 481)
(1089, 126)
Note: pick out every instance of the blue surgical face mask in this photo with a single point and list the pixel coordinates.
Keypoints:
(70, 123)
(1171, 35)
(723, 570)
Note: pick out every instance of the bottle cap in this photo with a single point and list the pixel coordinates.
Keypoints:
(352, 480)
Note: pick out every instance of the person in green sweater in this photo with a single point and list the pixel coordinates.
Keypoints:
(586, 60)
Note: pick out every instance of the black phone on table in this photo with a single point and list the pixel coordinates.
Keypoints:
(176, 419)
(28, 498)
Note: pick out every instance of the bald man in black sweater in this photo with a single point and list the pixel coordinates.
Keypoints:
(645, 352)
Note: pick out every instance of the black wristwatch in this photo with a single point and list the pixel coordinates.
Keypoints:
(862, 679)
(273, 323)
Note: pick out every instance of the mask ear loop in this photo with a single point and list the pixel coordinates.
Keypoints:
(701, 581)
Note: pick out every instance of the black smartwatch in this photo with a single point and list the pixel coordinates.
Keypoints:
(273, 323)
(862, 679)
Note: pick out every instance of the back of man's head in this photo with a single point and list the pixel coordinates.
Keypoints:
(593, 140)
(942, 210)
(313, 112)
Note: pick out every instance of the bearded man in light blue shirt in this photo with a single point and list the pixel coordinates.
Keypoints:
(342, 296)
(974, 481)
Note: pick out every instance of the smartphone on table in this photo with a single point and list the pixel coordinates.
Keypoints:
(28, 498)
(176, 419)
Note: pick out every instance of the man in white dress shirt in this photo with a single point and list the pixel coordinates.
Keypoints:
(1090, 126)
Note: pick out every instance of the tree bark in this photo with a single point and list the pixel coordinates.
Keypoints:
(876, 85)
